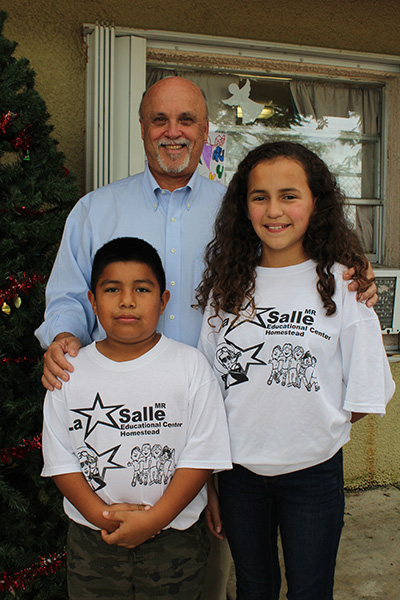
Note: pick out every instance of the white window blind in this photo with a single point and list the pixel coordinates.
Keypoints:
(116, 77)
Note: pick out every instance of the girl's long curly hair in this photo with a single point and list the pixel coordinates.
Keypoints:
(234, 253)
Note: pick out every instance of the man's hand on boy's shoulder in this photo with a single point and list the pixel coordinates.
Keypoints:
(56, 366)
(369, 296)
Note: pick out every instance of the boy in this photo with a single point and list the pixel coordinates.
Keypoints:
(140, 421)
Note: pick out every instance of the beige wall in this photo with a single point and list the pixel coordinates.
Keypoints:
(372, 457)
(49, 34)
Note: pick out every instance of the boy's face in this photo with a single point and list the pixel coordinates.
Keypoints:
(128, 304)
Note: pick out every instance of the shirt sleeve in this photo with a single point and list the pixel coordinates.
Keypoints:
(67, 305)
(366, 372)
(208, 337)
(58, 455)
(207, 445)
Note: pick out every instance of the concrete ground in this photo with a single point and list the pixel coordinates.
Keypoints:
(368, 563)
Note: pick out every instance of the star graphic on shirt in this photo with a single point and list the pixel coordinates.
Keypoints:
(234, 362)
(255, 320)
(98, 414)
(105, 459)
(243, 341)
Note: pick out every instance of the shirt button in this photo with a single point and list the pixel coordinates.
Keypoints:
(173, 219)
(172, 317)
(163, 191)
(172, 282)
(173, 250)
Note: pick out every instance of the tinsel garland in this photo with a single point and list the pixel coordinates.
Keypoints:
(5, 121)
(22, 210)
(15, 286)
(21, 579)
(19, 360)
(22, 450)
(21, 141)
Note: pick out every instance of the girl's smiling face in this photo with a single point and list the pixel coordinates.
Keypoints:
(279, 205)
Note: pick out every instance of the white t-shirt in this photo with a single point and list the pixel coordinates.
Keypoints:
(291, 376)
(129, 425)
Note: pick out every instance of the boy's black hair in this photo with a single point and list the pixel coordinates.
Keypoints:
(127, 249)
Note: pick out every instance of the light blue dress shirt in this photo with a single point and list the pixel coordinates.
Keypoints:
(178, 224)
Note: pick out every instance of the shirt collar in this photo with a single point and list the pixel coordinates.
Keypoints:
(187, 191)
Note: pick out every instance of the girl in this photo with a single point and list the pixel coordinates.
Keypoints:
(298, 359)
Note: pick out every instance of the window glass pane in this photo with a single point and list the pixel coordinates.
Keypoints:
(363, 218)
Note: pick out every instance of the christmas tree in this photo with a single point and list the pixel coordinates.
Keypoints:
(36, 193)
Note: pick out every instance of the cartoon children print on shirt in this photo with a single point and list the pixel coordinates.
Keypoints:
(88, 462)
(276, 362)
(234, 362)
(134, 462)
(156, 464)
(152, 464)
(306, 374)
(292, 367)
(287, 354)
(167, 461)
(232, 370)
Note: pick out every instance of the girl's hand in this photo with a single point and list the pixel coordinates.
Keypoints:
(357, 416)
(213, 515)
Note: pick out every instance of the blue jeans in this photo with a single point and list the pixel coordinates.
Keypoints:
(308, 508)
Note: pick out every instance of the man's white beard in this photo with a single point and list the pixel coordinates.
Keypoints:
(168, 168)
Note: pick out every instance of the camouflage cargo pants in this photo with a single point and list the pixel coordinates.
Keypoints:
(172, 564)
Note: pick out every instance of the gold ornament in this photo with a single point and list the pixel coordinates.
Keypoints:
(5, 308)
(17, 302)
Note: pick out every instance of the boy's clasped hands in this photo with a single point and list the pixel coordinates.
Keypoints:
(130, 524)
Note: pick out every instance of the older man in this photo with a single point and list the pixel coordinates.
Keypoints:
(169, 205)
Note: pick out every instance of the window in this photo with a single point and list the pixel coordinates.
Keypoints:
(332, 103)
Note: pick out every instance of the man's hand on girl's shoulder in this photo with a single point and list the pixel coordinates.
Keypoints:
(369, 296)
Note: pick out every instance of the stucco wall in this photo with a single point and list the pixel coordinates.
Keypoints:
(49, 34)
(372, 457)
